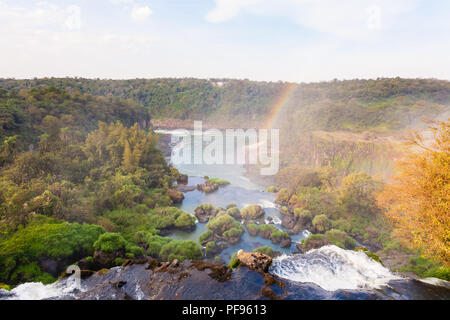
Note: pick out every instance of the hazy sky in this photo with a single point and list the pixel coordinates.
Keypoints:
(291, 40)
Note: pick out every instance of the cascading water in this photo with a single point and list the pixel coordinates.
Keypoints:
(333, 268)
(38, 291)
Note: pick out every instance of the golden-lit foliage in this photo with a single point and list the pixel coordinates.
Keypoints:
(417, 200)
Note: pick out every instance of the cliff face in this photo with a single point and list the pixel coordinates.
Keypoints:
(197, 280)
(346, 152)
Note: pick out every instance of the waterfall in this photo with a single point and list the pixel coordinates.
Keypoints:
(333, 268)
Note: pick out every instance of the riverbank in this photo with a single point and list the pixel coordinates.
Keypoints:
(248, 187)
(173, 124)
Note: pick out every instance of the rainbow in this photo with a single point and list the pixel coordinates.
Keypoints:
(278, 105)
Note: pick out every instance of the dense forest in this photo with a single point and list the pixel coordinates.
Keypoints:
(81, 173)
(312, 119)
(336, 105)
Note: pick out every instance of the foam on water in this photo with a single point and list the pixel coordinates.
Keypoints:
(275, 220)
(39, 291)
(436, 282)
(306, 233)
(333, 268)
(266, 203)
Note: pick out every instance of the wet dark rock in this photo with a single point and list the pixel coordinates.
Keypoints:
(288, 222)
(204, 212)
(183, 179)
(312, 243)
(184, 188)
(269, 294)
(171, 267)
(129, 262)
(286, 243)
(192, 280)
(215, 249)
(104, 259)
(200, 280)
(50, 266)
(220, 273)
(164, 144)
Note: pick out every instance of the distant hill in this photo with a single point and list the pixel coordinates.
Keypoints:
(381, 104)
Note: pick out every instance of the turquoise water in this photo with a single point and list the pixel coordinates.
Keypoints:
(240, 191)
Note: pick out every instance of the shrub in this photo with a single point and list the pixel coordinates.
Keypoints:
(304, 214)
(205, 236)
(231, 205)
(211, 248)
(46, 238)
(357, 193)
(252, 212)
(31, 273)
(185, 221)
(234, 212)
(129, 221)
(223, 223)
(168, 249)
(278, 235)
(314, 241)
(110, 242)
(220, 182)
(233, 234)
(342, 224)
(340, 239)
(155, 244)
(234, 261)
(169, 217)
(427, 268)
(180, 250)
(283, 196)
(321, 223)
(252, 229)
(267, 251)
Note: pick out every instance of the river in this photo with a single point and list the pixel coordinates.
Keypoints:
(329, 267)
(326, 273)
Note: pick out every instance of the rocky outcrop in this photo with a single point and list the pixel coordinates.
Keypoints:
(313, 242)
(182, 179)
(252, 212)
(285, 243)
(175, 195)
(288, 222)
(184, 188)
(204, 212)
(256, 261)
(164, 144)
(222, 228)
(187, 280)
(208, 187)
(199, 280)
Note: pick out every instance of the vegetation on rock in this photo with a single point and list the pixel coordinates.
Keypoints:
(252, 212)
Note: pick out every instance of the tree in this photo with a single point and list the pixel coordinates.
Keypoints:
(8, 150)
(321, 223)
(418, 198)
(357, 193)
(128, 159)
